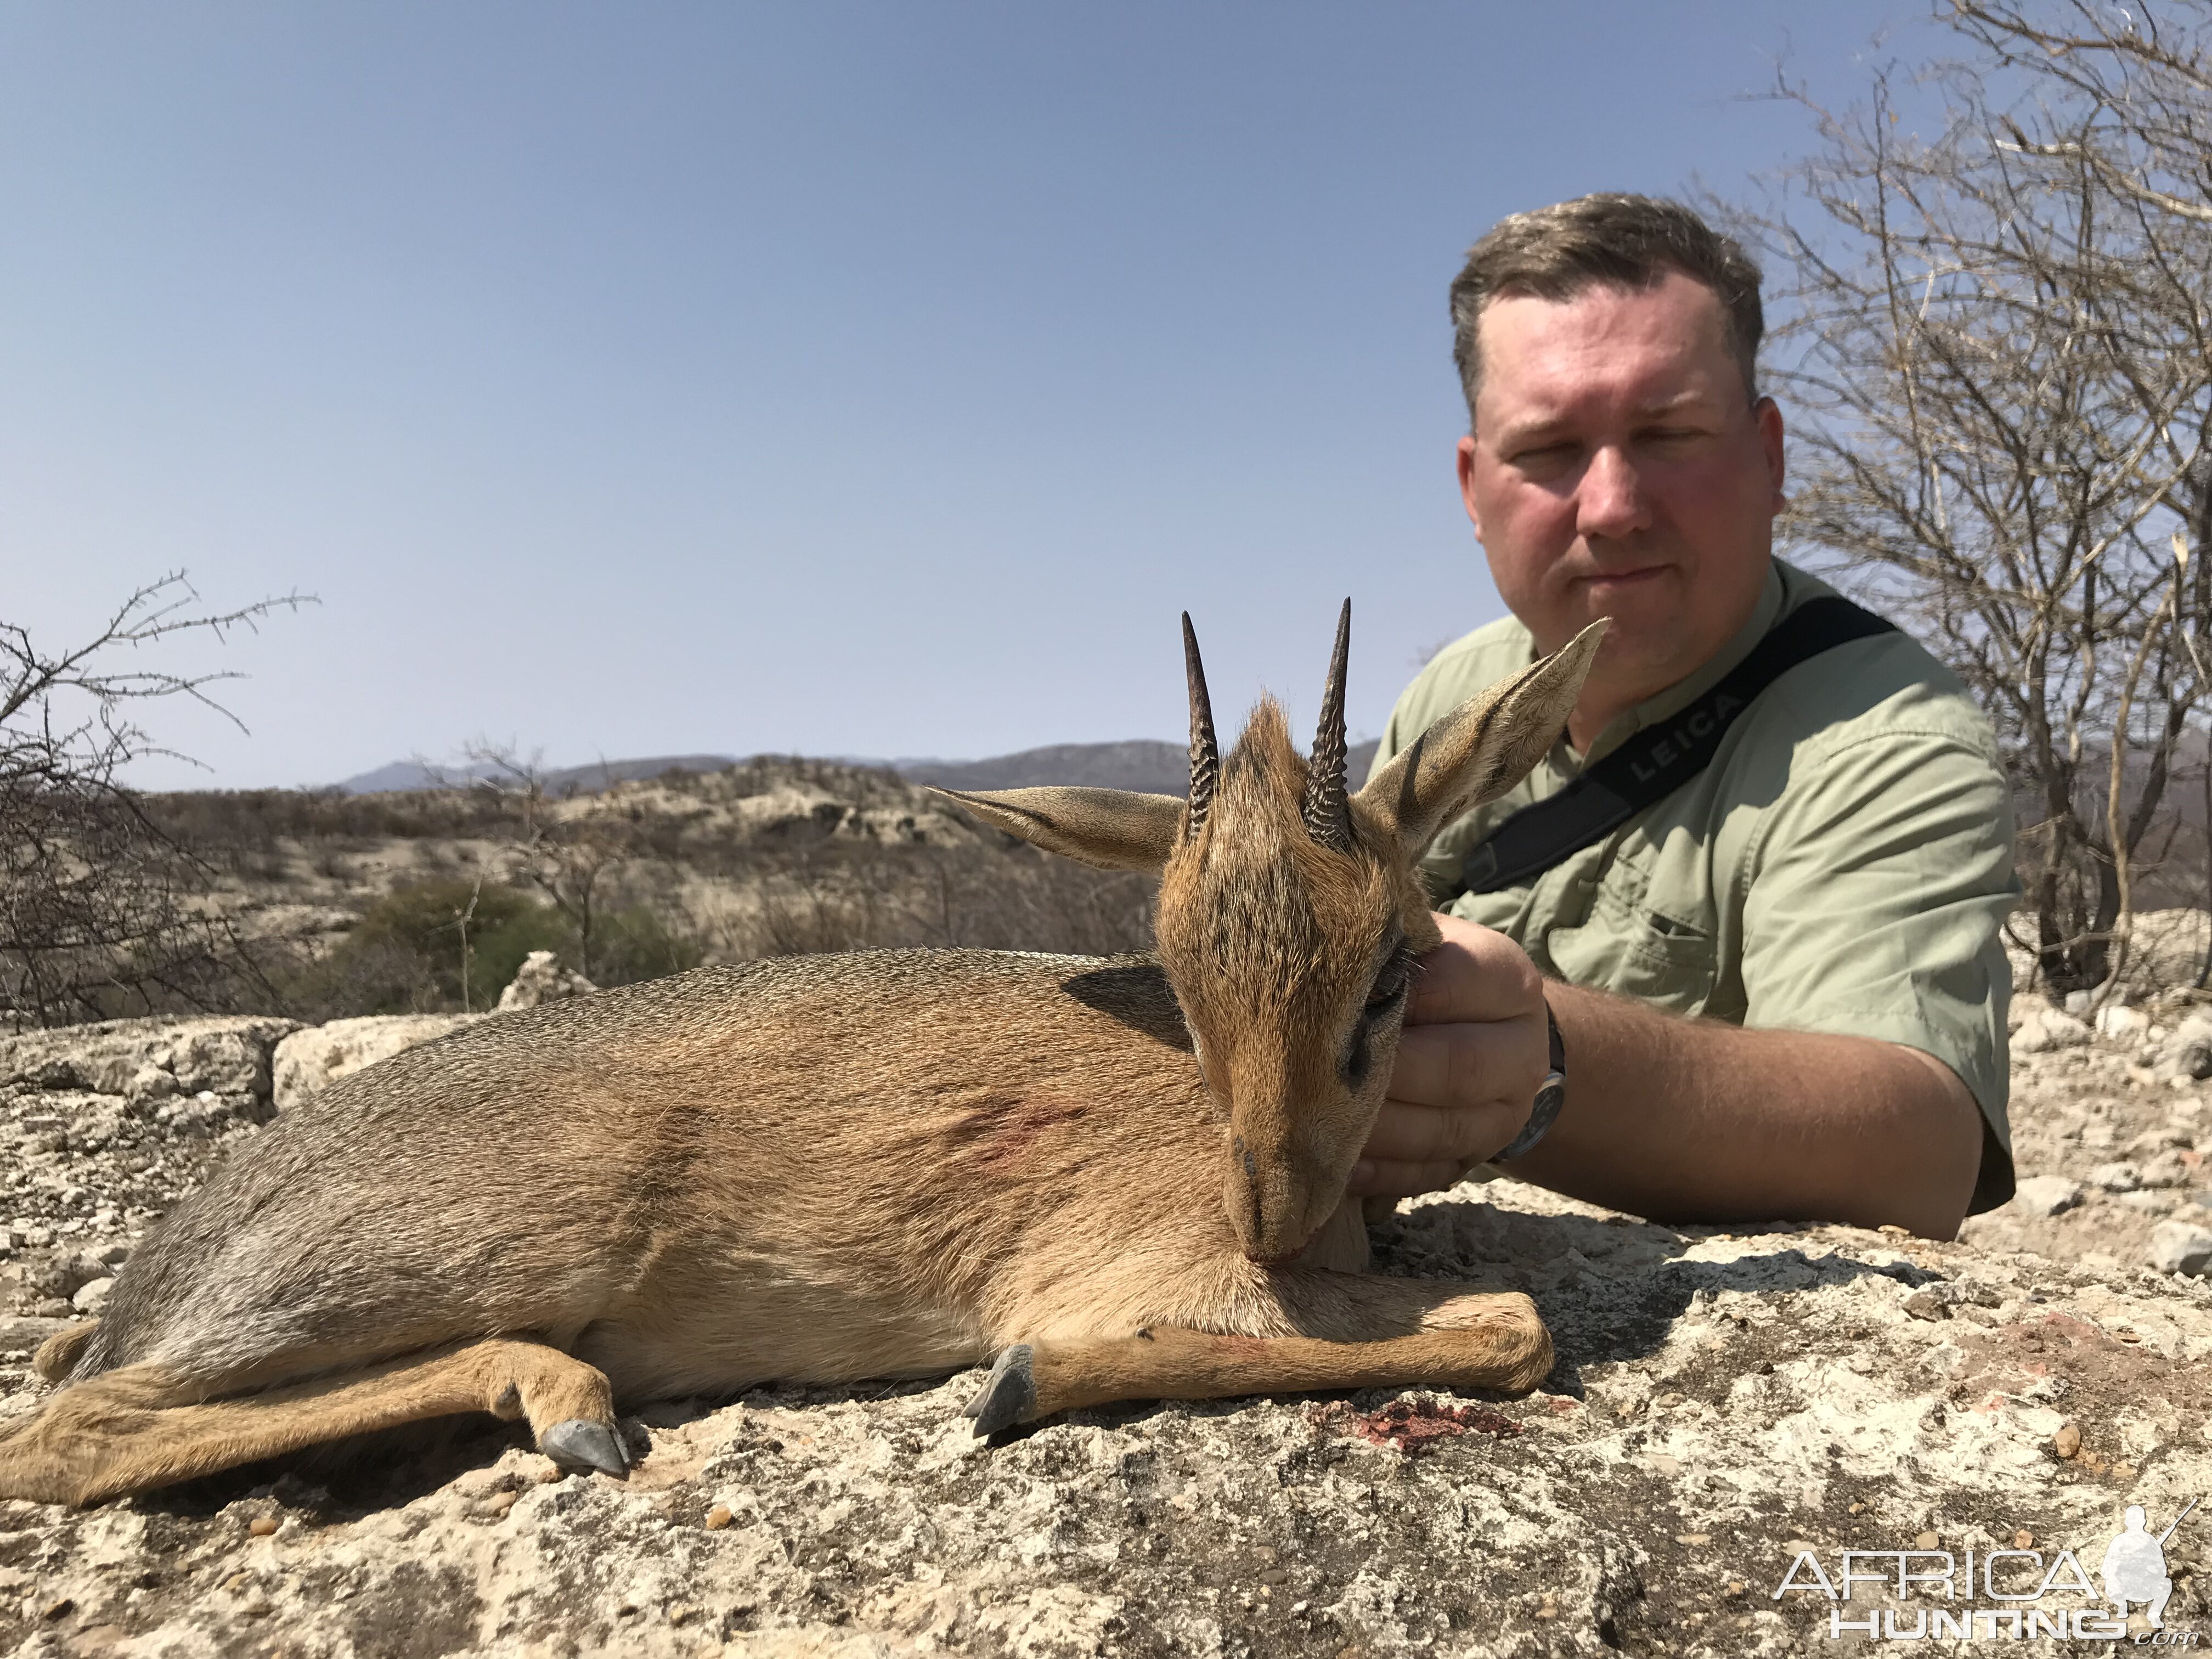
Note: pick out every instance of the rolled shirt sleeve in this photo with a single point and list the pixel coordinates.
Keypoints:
(1874, 898)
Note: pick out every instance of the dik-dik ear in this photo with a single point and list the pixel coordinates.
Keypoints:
(1112, 829)
(1483, 747)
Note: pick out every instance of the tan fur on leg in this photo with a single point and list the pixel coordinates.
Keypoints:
(57, 1354)
(133, 1430)
(1373, 1307)
(1509, 1350)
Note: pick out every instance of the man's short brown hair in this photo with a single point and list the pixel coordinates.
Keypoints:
(1626, 241)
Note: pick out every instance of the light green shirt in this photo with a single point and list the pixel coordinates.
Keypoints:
(1845, 864)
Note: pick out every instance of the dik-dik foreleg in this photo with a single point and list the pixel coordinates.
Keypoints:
(1358, 1331)
(141, 1427)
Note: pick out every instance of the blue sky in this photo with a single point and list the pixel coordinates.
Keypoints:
(843, 379)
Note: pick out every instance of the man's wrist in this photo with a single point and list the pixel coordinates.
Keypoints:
(1551, 1095)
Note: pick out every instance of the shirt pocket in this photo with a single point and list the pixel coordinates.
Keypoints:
(1665, 955)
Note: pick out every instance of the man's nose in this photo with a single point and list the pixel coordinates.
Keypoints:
(1612, 502)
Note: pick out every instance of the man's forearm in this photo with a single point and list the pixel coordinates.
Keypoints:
(1685, 1119)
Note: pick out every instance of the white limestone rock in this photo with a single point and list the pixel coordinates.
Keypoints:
(2118, 1022)
(227, 1056)
(2167, 1169)
(2048, 1031)
(1718, 1397)
(2181, 1247)
(2188, 1050)
(543, 978)
(309, 1060)
(2046, 1194)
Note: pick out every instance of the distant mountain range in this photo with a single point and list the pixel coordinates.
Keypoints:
(582, 779)
(1159, 769)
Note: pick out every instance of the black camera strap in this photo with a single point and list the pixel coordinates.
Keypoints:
(1660, 759)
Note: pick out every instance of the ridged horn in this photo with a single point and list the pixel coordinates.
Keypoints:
(1328, 811)
(1205, 752)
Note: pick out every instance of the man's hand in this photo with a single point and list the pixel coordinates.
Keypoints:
(1473, 1054)
(1671, 1118)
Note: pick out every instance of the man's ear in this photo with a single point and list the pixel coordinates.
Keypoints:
(1483, 747)
(1111, 829)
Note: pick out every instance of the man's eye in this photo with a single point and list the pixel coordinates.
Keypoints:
(1544, 458)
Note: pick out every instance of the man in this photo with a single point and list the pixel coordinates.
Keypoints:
(1780, 990)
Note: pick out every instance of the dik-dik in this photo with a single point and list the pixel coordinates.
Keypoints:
(1125, 1177)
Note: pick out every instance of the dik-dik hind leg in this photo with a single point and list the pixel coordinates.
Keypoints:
(56, 1355)
(141, 1427)
(1454, 1336)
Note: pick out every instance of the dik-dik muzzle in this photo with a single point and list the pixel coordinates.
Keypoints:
(1290, 911)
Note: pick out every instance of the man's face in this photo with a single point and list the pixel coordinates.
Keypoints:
(1617, 469)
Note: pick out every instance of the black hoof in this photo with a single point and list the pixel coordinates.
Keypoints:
(581, 1444)
(1008, 1396)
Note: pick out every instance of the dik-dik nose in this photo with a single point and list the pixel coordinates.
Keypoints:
(1270, 1204)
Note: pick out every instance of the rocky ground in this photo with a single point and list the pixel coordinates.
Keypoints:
(1723, 1403)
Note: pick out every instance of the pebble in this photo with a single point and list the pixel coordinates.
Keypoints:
(2119, 1023)
(150, 1082)
(2048, 1031)
(91, 1296)
(2152, 1142)
(2046, 1194)
(719, 1517)
(2166, 1169)
(2067, 1442)
(2120, 1177)
(262, 1526)
(2181, 1247)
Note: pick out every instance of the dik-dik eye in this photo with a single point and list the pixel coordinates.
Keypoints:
(1389, 991)
(1383, 1000)
(1389, 988)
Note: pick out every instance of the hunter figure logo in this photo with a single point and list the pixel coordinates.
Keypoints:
(2134, 1567)
(2013, 1583)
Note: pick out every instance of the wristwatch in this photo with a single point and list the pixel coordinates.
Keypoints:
(1550, 1096)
